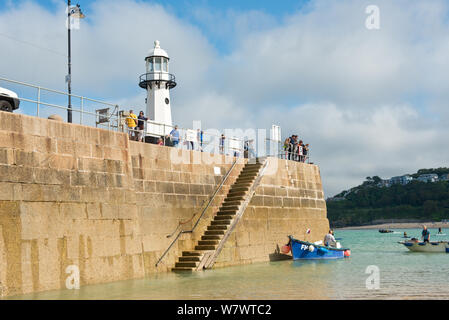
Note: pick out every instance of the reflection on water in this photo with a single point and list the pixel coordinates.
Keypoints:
(403, 275)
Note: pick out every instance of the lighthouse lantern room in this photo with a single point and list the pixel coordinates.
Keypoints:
(158, 82)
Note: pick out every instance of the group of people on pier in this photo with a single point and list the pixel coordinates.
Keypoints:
(295, 149)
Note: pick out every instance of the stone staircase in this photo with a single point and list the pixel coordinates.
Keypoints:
(213, 239)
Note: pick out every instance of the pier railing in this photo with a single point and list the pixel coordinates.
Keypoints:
(43, 102)
(209, 203)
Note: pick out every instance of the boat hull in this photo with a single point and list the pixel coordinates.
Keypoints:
(302, 250)
(440, 246)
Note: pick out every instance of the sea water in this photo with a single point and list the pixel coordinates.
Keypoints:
(379, 268)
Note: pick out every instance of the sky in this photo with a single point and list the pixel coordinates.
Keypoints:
(368, 101)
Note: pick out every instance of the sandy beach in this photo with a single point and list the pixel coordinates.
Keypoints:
(404, 225)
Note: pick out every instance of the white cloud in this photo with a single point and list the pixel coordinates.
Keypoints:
(369, 102)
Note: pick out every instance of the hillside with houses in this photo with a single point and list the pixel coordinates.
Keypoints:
(423, 195)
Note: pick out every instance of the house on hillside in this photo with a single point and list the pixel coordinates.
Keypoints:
(384, 183)
(430, 177)
(403, 180)
(444, 177)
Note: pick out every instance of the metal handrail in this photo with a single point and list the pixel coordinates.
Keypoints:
(55, 91)
(202, 213)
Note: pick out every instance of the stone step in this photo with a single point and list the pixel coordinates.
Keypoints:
(223, 217)
(192, 264)
(226, 213)
(238, 189)
(242, 185)
(232, 203)
(250, 169)
(221, 222)
(248, 174)
(214, 232)
(217, 227)
(235, 198)
(253, 165)
(208, 242)
(191, 254)
(205, 248)
(182, 269)
(190, 259)
(211, 236)
(245, 180)
(229, 208)
(236, 193)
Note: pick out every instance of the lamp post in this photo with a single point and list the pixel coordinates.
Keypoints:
(76, 11)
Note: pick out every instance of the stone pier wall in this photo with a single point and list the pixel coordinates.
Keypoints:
(82, 196)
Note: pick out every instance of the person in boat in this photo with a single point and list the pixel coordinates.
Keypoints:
(425, 234)
(405, 235)
(329, 239)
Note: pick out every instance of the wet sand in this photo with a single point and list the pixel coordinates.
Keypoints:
(402, 225)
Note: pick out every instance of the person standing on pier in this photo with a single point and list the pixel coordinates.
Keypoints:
(131, 122)
(141, 126)
(174, 134)
(222, 143)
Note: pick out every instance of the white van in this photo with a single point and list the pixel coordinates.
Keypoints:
(9, 100)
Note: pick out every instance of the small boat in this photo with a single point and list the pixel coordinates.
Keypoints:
(385, 231)
(433, 246)
(303, 250)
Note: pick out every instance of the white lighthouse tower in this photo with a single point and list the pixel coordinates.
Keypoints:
(158, 82)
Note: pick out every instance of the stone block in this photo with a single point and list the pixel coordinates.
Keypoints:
(73, 210)
(181, 188)
(93, 210)
(82, 149)
(97, 151)
(7, 156)
(196, 189)
(165, 187)
(127, 211)
(109, 211)
(107, 138)
(44, 145)
(62, 162)
(149, 186)
(268, 201)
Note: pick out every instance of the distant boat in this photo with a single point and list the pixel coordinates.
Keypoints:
(434, 246)
(303, 250)
(385, 231)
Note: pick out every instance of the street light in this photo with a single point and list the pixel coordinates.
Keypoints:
(75, 12)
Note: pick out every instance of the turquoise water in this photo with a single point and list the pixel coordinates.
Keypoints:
(402, 274)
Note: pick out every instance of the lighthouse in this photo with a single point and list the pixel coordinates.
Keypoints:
(158, 81)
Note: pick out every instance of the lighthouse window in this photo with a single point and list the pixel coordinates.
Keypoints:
(157, 66)
(151, 65)
(164, 65)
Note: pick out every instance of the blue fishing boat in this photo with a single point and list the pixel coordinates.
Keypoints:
(303, 250)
